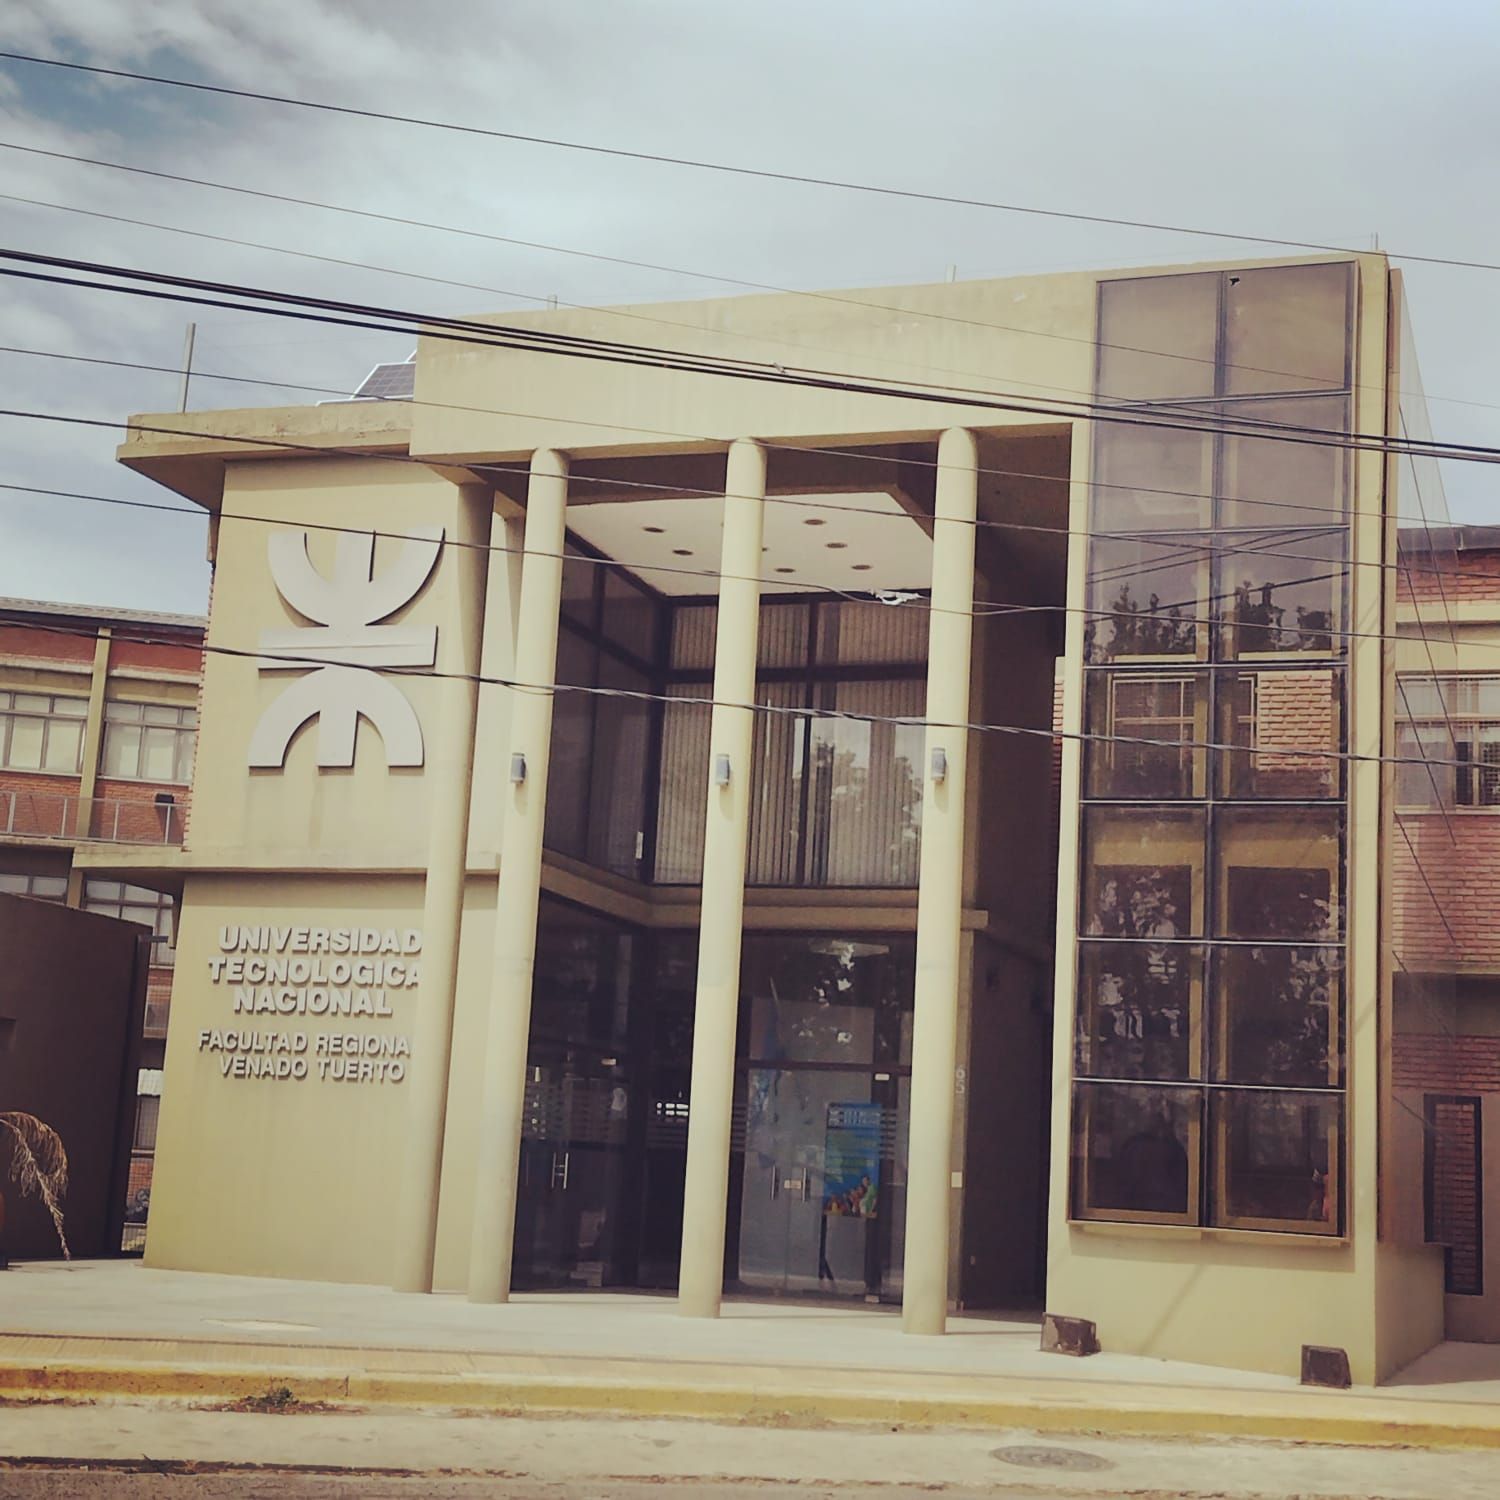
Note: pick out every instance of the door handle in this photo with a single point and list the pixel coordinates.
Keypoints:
(775, 1181)
(560, 1170)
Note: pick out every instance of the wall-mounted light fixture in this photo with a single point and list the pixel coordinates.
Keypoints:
(721, 770)
(939, 763)
(517, 769)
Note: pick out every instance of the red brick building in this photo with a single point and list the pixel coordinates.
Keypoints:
(98, 723)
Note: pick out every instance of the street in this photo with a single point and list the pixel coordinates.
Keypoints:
(160, 1449)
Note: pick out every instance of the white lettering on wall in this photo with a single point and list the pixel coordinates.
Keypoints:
(347, 637)
(311, 971)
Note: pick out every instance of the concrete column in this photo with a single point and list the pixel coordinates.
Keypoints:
(725, 838)
(523, 809)
(929, 1190)
(93, 754)
(450, 771)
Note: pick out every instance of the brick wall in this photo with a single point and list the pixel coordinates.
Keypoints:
(1450, 576)
(1458, 918)
(1453, 1182)
(138, 816)
(1446, 1064)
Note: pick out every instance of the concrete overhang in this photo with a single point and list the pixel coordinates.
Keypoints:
(186, 451)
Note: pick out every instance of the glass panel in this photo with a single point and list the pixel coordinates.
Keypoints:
(865, 634)
(182, 766)
(568, 776)
(1278, 592)
(630, 615)
(158, 754)
(122, 750)
(159, 713)
(1169, 709)
(582, 987)
(1279, 874)
(1136, 1152)
(1147, 597)
(1286, 328)
(1151, 478)
(123, 713)
(1270, 482)
(693, 627)
(1289, 723)
(1277, 1161)
(682, 804)
(1156, 337)
(1424, 785)
(865, 796)
(26, 736)
(776, 788)
(64, 745)
(1277, 1016)
(622, 737)
(1140, 1009)
(35, 703)
(579, 580)
(1142, 874)
(70, 708)
(782, 639)
(147, 1109)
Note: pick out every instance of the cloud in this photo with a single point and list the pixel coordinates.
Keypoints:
(1330, 122)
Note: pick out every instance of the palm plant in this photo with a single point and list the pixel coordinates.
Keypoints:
(39, 1165)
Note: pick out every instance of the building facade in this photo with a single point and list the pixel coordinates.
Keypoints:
(627, 848)
(98, 722)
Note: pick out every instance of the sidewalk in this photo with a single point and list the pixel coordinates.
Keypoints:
(117, 1328)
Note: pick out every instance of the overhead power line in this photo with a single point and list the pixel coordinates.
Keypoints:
(881, 190)
(530, 339)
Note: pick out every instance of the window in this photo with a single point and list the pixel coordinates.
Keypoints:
(1452, 726)
(149, 742)
(147, 1112)
(39, 887)
(837, 788)
(1209, 1041)
(1453, 1189)
(42, 732)
(135, 903)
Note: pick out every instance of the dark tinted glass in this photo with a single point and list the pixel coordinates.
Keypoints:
(1142, 874)
(1277, 1161)
(1136, 1151)
(1279, 874)
(630, 616)
(1146, 724)
(1289, 723)
(1139, 1007)
(622, 738)
(568, 773)
(1277, 1016)
(1278, 592)
(1147, 597)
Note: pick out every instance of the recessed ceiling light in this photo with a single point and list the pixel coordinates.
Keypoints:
(861, 568)
(814, 523)
(654, 530)
(835, 546)
(786, 570)
(682, 551)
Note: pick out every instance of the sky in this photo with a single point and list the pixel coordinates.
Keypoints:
(1344, 123)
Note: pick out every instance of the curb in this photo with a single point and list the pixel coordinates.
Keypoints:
(1381, 1421)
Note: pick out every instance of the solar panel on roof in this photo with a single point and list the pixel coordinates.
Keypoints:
(392, 382)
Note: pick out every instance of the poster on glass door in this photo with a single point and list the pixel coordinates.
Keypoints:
(851, 1161)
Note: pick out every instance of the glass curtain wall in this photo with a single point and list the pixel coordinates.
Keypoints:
(837, 794)
(1209, 1039)
(601, 745)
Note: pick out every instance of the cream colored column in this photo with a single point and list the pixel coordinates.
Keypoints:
(450, 772)
(523, 809)
(929, 1190)
(725, 838)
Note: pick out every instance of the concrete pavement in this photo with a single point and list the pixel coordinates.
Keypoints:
(118, 1328)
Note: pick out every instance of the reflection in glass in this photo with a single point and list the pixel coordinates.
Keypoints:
(1136, 1152)
(1157, 336)
(1285, 483)
(1285, 725)
(682, 797)
(1277, 1161)
(1142, 874)
(1278, 1016)
(1138, 1010)
(630, 615)
(572, 725)
(1168, 709)
(581, 992)
(1146, 597)
(865, 795)
(1286, 328)
(580, 578)
(1149, 478)
(1279, 592)
(1279, 873)
(622, 735)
